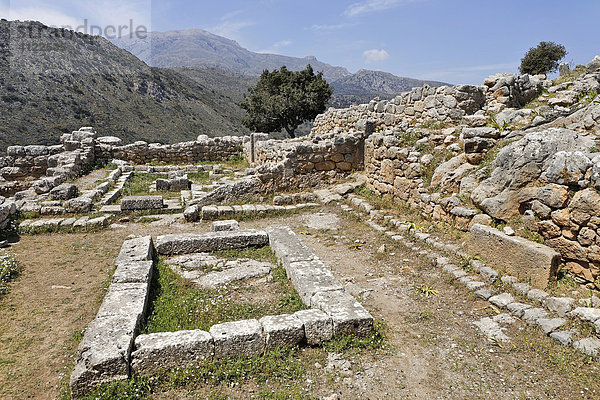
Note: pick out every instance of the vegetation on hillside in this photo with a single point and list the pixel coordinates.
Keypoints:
(542, 59)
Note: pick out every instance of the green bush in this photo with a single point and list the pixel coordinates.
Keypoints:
(542, 59)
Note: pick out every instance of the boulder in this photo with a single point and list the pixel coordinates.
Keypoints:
(64, 191)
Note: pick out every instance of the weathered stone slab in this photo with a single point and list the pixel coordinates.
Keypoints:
(137, 249)
(501, 300)
(125, 299)
(518, 309)
(238, 338)
(518, 256)
(283, 330)
(348, 315)
(104, 353)
(562, 305)
(286, 245)
(132, 203)
(228, 225)
(166, 350)
(491, 329)
(210, 241)
(311, 277)
(589, 314)
(588, 345)
(244, 271)
(133, 272)
(318, 326)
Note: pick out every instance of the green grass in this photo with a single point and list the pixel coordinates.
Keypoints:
(201, 178)
(178, 305)
(236, 163)
(354, 344)
(9, 270)
(139, 185)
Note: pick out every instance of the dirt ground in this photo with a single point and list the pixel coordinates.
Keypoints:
(434, 351)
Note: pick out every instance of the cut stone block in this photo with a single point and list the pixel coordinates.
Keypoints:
(228, 225)
(532, 315)
(137, 249)
(549, 325)
(168, 350)
(517, 256)
(132, 203)
(286, 245)
(318, 326)
(488, 274)
(537, 294)
(589, 346)
(104, 353)
(562, 305)
(133, 272)
(311, 277)
(282, 330)
(589, 314)
(209, 213)
(125, 299)
(501, 300)
(348, 315)
(563, 337)
(518, 309)
(238, 338)
(210, 241)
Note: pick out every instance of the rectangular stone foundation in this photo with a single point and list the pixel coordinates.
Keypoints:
(210, 241)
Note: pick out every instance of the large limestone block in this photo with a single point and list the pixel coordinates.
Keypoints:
(348, 315)
(238, 338)
(166, 350)
(282, 330)
(104, 353)
(311, 277)
(133, 272)
(132, 203)
(286, 245)
(137, 249)
(318, 326)
(527, 260)
(210, 241)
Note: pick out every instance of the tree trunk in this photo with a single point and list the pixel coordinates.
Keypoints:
(290, 132)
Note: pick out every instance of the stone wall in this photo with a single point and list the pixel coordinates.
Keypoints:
(202, 149)
(328, 152)
(442, 104)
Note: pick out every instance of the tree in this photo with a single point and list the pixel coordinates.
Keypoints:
(285, 99)
(542, 59)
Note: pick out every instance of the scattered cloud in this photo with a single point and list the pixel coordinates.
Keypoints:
(375, 55)
(276, 46)
(319, 28)
(367, 6)
(229, 26)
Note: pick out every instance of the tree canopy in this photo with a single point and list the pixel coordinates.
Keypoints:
(284, 99)
(542, 59)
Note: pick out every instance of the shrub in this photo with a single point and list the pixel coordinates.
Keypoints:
(542, 59)
(9, 269)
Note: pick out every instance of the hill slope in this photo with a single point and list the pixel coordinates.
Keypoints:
(56, 80)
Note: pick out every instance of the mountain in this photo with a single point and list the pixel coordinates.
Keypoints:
(364, 85)
(55, 80)
(193, 47)
(197, 47)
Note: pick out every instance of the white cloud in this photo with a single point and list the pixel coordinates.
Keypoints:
(329, 27)
(366, 6)
(375, 55)
(229, 29)
(276, 46)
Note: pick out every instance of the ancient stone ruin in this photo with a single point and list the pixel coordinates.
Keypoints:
(513, 166)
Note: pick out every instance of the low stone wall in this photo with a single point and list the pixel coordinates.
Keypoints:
(442, 104)
(341, 152)
(202, 149)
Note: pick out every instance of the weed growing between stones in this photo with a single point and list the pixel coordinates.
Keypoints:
(178, 305)
(9, 270)
(139, 185)
(353, 344)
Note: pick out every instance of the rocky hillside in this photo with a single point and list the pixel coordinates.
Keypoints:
(54, 80)
(365, 85)
(196, 47)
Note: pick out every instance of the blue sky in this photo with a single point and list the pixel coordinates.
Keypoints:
(456, 41)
